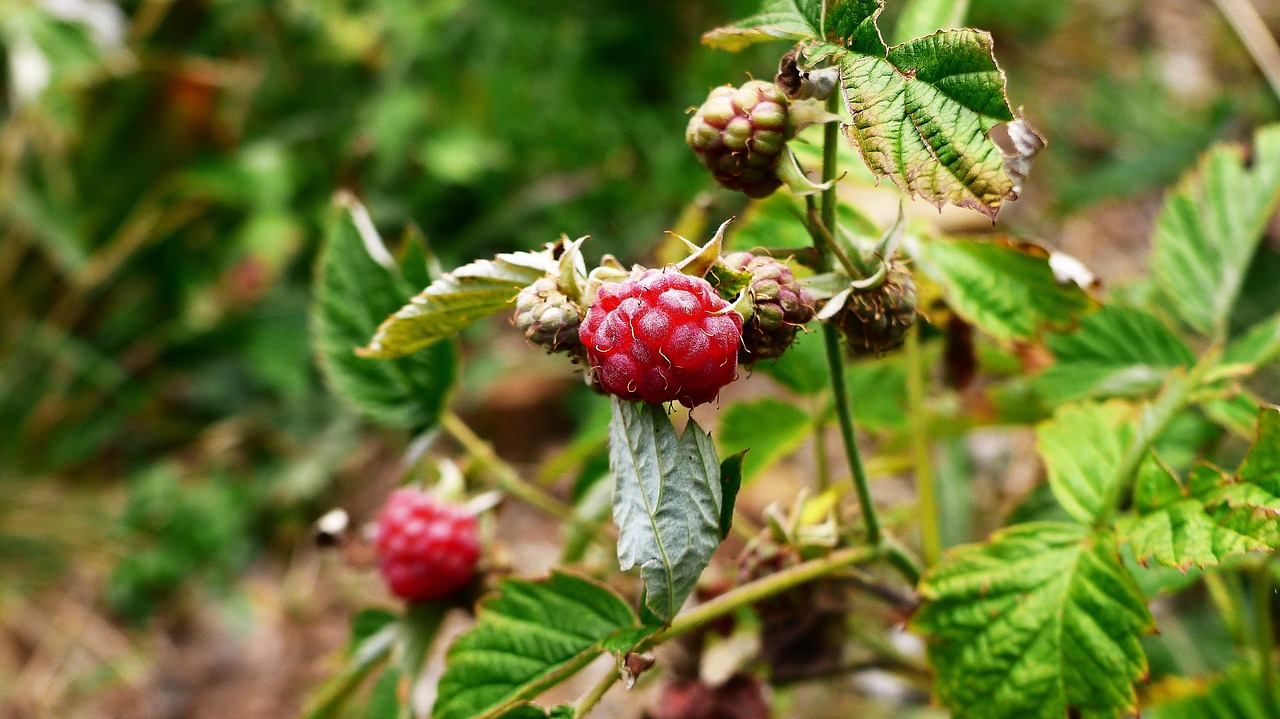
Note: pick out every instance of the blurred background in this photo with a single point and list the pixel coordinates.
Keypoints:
(167, 169)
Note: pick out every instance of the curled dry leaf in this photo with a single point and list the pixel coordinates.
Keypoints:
(1019, 144)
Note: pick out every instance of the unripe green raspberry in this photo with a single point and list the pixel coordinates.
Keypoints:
(877, 320)
(740, 133)
(782, 305)
(547, 317)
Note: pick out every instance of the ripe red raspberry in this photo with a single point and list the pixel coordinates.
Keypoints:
(658, 338)
(426, 549)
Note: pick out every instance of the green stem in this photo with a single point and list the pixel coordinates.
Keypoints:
(899, 558)
(854, 265)
(1155, 418)
(1256, 37)
(1265, 630)
(830, 136)
(930, 533)
(844, 413)
(508, 480)
(762, 588)
(835, 361)
(371, 654)
(595, 694)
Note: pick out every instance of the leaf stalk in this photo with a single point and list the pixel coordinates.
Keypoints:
(595, 693)
(835, 361)
(508, 480)
(1154, 420)
(760, 589)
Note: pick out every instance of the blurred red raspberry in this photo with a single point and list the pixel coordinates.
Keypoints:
(427, 549)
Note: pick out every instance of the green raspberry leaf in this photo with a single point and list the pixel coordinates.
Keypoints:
(1214, 516)
(1195, 525)
(1209, 228)
(1041, 619)
(1116, 352)
(730, 485)
(1257, 483)
(374, 635)
(527, 638)
(469, 293)
(1005, 288)
(1082, 446)
(384, 700)
(358, 285)
(1238, 414)
(667, 501)
(923, 111)
(1258, 347)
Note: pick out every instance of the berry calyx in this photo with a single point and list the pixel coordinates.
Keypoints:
(547, 317)
(427, 549)
(740, 134)
(877, 320)
(782, 305)
(660, 337)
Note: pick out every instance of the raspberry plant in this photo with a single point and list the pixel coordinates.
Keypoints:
(1048, 616)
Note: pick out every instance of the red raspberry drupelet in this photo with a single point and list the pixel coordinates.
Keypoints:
(662, 336)
(427, 549)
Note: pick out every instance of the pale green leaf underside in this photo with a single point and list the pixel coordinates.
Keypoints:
(1116, 352)
(770, 428)
(666, 502)
(527, 638)
(353, 294)
(777, 20)
(1082, 446)
(449, 304)
(1040, 619)
(1237, 694)
(1209, 228)
(1238, 413)
(1004, 289)
(1195, 525)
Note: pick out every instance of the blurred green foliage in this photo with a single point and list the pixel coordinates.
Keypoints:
(167, 168)
(164, 190)
(173, 531)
